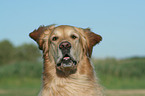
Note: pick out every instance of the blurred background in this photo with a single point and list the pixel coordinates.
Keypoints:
(119, 59)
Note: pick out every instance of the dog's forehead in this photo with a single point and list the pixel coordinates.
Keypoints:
(64, 30)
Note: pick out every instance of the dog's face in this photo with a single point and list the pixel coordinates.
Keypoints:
(65, 45)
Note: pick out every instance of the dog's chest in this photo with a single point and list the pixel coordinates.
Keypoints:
(66, 87)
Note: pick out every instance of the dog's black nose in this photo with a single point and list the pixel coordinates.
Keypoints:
(65, 45)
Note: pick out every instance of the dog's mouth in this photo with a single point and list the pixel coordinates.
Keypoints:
(67, 65)
(67, 62)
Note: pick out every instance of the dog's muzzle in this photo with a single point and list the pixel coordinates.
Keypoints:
(67, 62)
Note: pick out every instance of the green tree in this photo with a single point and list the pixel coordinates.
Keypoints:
(27, 52)
(6, 52)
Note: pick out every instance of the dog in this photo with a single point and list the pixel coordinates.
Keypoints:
(67, 69)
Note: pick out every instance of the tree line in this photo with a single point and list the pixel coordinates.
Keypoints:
(10, 54)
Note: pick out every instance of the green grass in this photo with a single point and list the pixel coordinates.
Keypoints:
(126, 68)
(21, 69)
(121, 74)
(20, 79)
(19, 86)
(111, 82)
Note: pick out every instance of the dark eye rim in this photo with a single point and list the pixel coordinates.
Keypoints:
(54, 38)
(74, 36)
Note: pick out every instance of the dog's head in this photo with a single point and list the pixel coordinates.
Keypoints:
(65, 45)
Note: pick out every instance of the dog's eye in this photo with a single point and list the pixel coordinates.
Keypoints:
(73, 36)
(54, 38)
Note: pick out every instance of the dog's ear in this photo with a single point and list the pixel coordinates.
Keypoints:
(92, 40)
(36, 33)
(41, 34)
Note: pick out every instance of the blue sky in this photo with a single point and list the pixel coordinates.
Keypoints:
(121, 23)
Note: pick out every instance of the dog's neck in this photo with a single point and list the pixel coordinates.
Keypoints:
(82, 80)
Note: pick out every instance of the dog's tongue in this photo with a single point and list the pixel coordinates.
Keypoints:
(66, 58)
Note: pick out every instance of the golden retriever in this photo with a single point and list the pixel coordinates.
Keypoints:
(67, 70)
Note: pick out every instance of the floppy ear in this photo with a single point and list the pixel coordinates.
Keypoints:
(41, 34)
(92, 40)
(35, 35)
